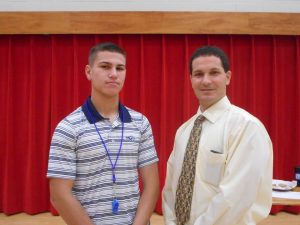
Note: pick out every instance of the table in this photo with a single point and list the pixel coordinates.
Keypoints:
(286, 201)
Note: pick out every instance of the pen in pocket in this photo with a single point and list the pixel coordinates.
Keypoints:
(213, 151)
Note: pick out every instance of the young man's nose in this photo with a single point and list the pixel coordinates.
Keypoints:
(113, 73)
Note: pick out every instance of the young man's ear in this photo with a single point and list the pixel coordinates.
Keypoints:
(88, 72)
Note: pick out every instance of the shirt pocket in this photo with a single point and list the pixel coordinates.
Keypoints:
(212, 166)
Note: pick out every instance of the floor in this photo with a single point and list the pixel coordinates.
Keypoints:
(47, 219)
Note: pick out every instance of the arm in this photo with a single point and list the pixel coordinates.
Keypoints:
(246, 188)
(149, 195)
(66, 204)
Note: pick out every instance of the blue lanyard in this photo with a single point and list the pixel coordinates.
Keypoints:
(113, 165)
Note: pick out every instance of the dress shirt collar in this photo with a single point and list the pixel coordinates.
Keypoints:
(88, 105)
(216, 110)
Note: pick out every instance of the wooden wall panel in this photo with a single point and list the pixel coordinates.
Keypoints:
(149, 23)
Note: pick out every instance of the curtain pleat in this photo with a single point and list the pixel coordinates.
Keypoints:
(42, 79)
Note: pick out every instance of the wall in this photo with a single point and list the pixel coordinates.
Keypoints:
(290, 6)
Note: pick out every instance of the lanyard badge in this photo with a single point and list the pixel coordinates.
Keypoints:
(115, 206)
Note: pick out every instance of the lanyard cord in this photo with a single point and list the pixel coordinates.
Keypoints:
(113, 166)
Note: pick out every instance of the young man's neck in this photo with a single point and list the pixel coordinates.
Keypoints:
(106, 107)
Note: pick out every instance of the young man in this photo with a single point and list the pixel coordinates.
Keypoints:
(99, 149)
(230, 181)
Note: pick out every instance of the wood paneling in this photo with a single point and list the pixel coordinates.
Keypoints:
(149, 23)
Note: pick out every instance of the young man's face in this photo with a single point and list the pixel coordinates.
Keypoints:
(107, 73)
(209, 80)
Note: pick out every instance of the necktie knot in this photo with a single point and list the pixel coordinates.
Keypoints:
(199, 120)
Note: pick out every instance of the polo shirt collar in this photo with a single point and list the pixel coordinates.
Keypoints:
(89, 109)
(215, 111)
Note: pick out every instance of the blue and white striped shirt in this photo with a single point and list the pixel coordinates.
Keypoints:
(77, 153)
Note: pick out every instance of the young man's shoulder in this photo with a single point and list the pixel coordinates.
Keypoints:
(74, 116)
(73, 119)
(135, 115)
(139, 120)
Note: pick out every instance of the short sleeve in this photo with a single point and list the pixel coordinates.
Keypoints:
(147, 151)
(62, 156)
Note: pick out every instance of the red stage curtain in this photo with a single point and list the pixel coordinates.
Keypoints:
(42, 80)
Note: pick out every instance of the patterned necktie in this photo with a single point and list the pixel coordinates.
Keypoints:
(185, 186)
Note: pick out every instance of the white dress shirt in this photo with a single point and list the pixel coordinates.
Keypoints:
(233, 181)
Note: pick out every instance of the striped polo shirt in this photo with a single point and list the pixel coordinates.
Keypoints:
(77, 153)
